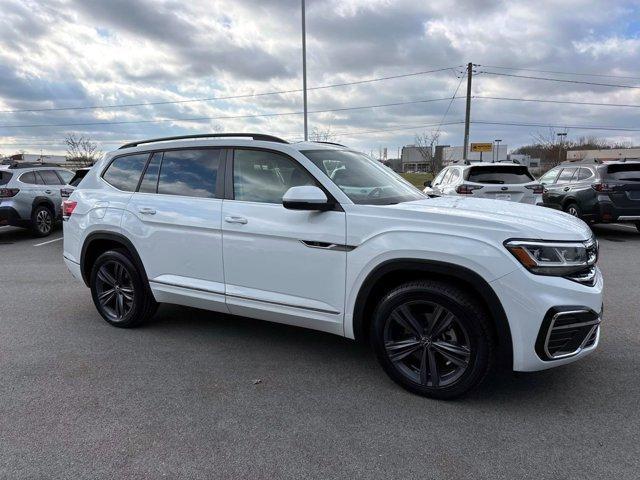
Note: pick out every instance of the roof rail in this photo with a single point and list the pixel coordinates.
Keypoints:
(330, 143)
(15, 165)
(254, 136)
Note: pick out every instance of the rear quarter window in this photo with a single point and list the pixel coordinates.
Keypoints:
(500, 175)
(124, 172)
(624, 172)
(5, 177)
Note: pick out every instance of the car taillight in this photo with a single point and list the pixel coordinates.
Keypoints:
(537, 189)
(68, 206)
(66, 192)
(8, 192)
(602, 187)
(467, 189)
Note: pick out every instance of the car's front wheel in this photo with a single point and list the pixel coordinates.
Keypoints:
(432, 338)
(119, 291)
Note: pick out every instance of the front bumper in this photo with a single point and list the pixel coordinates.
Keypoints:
(527, 300)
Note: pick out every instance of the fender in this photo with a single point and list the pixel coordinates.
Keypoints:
(44, 201)
(445, 271)
(112, 237)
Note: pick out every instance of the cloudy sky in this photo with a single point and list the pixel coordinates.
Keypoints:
(56, 55)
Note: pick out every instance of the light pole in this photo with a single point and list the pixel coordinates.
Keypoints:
(304, 71)
(561, 137)
(497, 142)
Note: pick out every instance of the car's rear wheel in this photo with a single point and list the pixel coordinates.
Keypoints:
(573, 209)
(119, 291)
(432, 339)
(42, 221)
(638, 226)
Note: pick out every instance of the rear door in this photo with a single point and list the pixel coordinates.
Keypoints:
(624, 181)
(556, 193)
(502, 182)
(174, 221)
(52, 187)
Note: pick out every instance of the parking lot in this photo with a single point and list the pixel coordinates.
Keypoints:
(200, 395)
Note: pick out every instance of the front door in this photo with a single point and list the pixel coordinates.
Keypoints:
(281, 265)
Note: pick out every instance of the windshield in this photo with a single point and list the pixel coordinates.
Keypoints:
(500, 175)
(362, 179)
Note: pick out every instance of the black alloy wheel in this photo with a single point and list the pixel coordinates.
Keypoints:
(119, 290)
(432, 338)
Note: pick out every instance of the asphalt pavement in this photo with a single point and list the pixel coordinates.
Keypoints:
(202, 395)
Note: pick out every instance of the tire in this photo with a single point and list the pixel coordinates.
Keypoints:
(460, 345)
(42, 221)
(573, 209)
(638, 226)
(119, 291)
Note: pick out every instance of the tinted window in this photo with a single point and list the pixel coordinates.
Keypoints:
(149, 182)
(624, 172)
(80, 174)
(65, 176)
(260, 176)
(5, 177)
(124, 172)
(549, 177)
(50, 177)
(583, 174)
(191, 173)
(500, 175)
(566, 175)
(28, 177)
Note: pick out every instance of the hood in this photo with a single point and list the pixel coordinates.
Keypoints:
(517, 220)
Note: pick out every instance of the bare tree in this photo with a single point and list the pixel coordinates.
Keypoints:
(322, 135)
(81, 149)
(425, 144)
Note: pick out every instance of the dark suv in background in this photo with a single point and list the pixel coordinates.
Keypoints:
(595, 192)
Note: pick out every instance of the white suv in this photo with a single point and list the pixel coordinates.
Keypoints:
(499, 181)
(321, 236)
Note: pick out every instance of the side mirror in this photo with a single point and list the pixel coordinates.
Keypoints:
(306, 197)
(427, 183)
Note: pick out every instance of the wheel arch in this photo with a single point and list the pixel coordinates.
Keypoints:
(97, 243)
(394, 272)
(38, 201)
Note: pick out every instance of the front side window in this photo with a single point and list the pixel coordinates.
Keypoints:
(124, 172)
(190, 173)
(262, 176)
(440, 177)
(549, 177)
(149, 182)
(50, 177)
(455, 176)
(362, 179)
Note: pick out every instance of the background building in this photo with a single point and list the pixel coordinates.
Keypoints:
(607, 154)
(36, 158)
(413, 160)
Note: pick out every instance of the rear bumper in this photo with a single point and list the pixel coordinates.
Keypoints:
(9, 216)
(607, 212)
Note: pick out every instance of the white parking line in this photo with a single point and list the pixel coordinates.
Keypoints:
(50, 241)
(625, 226)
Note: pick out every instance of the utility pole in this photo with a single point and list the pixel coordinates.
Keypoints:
(468, 111)
(497, 142)
(304, 71)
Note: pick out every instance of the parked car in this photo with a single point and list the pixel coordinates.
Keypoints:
(74, 182)
(30, 196)
(320, 236)
(499, 181)
(595, 192)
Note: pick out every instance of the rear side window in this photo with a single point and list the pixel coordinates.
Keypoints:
(5, 177)
(124, 172)
(583, 174)
(500, 175)
(191, 173)
(65, 176)
(28, 177)
(624, 172)
(566, 175)
(50, 177)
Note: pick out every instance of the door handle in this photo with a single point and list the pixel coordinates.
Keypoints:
(147, 211)
(240, 220)
(566, 189)
(48, 191)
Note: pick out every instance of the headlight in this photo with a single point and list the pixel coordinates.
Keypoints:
(554, 258)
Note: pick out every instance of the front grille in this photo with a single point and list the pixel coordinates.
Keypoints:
(565, 333)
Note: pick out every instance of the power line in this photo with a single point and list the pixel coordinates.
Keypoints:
(455, 92)
(569, 102)
(576, 127)
(579, 74)
(231, 97)
(394, 129)
(563, 80)
(225, 117)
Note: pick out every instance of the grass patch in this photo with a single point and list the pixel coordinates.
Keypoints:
(417, 179)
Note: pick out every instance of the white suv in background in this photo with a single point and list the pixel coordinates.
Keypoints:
(499, 181)
(320, 236)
